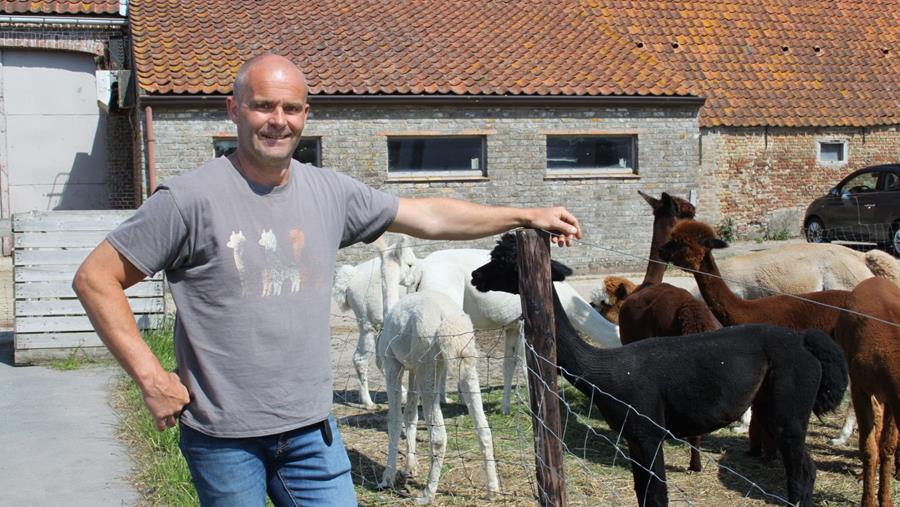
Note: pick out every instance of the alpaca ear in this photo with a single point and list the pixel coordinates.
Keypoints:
(667, 205)
(713, 243)
(653, 202)
(621, 291)
(559, 271)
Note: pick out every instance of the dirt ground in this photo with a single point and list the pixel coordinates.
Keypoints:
(597, 472)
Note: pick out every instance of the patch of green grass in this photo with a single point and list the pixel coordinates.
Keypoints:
(162, 474)
(79, 359)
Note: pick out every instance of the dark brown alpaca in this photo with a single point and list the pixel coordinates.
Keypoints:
(660, 309)
(872, 348)
(690, 246)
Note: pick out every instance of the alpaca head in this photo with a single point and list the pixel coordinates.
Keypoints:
(235, 240)
(267, 240)
(670, 206)
(689, 244)
(401, 255)
(608, 298)
(502, 272)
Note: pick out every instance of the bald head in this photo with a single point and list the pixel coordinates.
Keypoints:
(266, 64)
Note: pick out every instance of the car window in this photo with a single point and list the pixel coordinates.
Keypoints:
(865, 182)
(891, 181)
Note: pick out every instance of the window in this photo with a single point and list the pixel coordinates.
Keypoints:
(832, 152)
(582, 154)
(865, 182)
(891, 181)
(307, 152)
(436, 156)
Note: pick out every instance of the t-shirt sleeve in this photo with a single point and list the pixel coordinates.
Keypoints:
(369, 212)
(155, 237)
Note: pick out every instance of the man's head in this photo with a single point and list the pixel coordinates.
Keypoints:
(269, 107)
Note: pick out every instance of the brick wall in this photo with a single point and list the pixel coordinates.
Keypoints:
(758, 173)
(615, 219)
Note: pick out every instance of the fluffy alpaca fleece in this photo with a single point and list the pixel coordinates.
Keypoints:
(691, 245)
(448, 272)
(358, 288)
(657, 309)
(426, 333)
(804, 267)
(695, 384)
(608, 298)
(873, 355)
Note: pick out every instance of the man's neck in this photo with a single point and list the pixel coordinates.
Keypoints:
(271, 176)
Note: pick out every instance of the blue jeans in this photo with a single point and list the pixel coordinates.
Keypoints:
(295, 468)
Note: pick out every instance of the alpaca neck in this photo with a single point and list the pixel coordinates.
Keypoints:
(656, 268)
(390, 283)
(724, 304)
(573, 354)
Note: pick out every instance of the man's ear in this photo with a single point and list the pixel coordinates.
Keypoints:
(231, 106)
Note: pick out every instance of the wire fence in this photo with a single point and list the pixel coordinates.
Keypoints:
(597, 459)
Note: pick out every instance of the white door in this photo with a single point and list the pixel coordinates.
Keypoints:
(53, 148)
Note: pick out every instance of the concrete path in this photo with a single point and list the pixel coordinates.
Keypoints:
(57, 437)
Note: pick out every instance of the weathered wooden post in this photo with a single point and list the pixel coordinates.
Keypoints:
(535, 290)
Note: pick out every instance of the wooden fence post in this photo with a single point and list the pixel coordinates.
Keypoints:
(535, 291)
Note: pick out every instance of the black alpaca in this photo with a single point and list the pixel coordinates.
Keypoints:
(694, 384)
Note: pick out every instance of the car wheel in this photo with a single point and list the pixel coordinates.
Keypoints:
(815, 231)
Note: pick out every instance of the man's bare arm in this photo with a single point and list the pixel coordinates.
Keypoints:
(443, 218)
(100, 284)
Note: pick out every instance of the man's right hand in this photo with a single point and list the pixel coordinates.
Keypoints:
(165, 398)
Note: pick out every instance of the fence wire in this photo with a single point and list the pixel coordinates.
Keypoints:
(597, 461)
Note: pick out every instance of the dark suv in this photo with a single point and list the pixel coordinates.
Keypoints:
(863, 208)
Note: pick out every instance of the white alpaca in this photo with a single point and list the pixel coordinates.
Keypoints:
(803, 267)
(237, 242)
(426, 333)
(450, 272)
(272, 276)
(358, 288)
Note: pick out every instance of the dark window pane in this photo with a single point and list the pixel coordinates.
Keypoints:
(436, 154)
(832, 152)
(307, 151)
(590, 152)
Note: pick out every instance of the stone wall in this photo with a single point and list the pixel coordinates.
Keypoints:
(763, 178)
(615, 219)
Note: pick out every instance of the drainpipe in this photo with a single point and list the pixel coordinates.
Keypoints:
(151, 162)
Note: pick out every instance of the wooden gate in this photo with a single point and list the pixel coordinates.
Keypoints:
(50, 322)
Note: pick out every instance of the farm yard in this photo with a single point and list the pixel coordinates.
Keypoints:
(596, 473)
(596, 465)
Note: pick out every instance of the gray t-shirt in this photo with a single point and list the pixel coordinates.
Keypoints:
(250, 269)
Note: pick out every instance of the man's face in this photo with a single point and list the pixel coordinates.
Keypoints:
(270, 115)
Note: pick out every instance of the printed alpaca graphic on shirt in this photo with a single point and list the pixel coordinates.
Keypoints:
(274, 271)
(237, 243)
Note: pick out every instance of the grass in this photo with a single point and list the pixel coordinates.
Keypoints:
(79, 359)
(597, 472)
(162, 474)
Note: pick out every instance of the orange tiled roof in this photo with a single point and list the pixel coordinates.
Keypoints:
(366, 47)
(754, 60)
(60, 7)
(775, 62)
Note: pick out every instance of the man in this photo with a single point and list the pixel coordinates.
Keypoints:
(248, 243)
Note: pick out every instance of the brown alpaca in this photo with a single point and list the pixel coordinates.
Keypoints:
(690, 246)
(872, 348)
(660, 309)
(608, 299)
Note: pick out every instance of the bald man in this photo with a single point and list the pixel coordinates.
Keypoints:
(248, 243)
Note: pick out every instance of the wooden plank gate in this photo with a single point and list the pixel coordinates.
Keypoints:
(48, 247)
